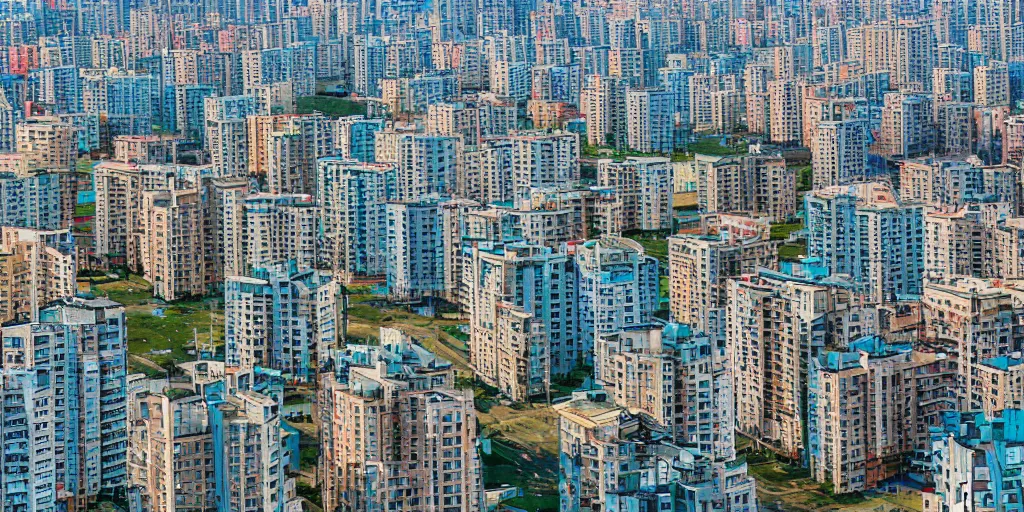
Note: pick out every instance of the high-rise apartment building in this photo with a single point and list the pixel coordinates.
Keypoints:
(644, 185)
(403, 417)
(601, 442)
(784, 119)
(415, 259)
(908, 125)
(617, 285)
(544, 160)
(171, 243)
(65, 406)
(699, 267)
(948, 182)
(650, 126)
(974, 320)
(282, 317)
(864, 232)
(871, 403)
(352, 199)
(36, 268)
(840, 154)
(524, 324)
(37, 201)
(755, 184)
(227, 134)
(278, 229)
(46, 143)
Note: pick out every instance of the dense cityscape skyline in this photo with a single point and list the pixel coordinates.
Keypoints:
(511, 255)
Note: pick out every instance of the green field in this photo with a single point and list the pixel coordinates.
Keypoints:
(130, 292)
(782, 231)
(367, 315)
(149, 333)
(85, 209)
(331, 106)
(712, 146)
(792, 252)
(538, 503)
(174, 331)
(537, 477)
(655, 244)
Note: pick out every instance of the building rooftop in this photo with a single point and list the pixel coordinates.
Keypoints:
(1004, 362)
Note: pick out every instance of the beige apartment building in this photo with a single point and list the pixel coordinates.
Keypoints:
(773, 322)
(974, 320)
(46, 143)
(992, 85)
(870, 406)
(1007, 241)
(36, 268)
(758, 185)
(278, 229)
(839, 155)
(171, 243)
(699, 266)
(146, 149)
(224, 225)
(517, 342)
(120, 187)
(785, 111)
(644, 185)
(945, 182)
(676, 378)
(1013, 140)
(999, 384)
(171, 455)
(395, 434)
(976, 239)
(907, 125)
(290, 144)
(755, 82)
(603, 104)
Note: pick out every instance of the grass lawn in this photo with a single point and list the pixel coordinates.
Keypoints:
(537, 503)
(533, 428)
(366, 319)
(131, 292)
(804, 179)
(331, 106)
(535, 475)
(743, 442)
(777, 473)
(173, 331)
(137, 367)
(782, 231)
(792, 252)
(655, 244)
(794, 488)
(84, 165)
(148, 333)
(86, 209)
(712, 146)
(455, 332)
